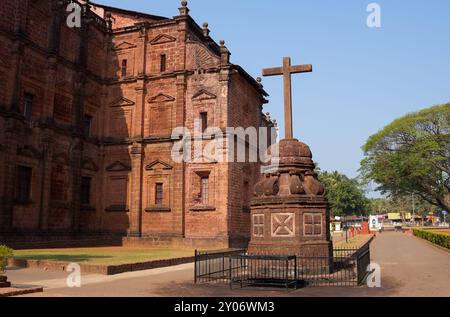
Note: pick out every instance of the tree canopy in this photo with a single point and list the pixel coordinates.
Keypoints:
(344, 194)
(402, 205)
(412, 156)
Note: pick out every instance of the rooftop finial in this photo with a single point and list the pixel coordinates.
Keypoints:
(224, 54)
(205, 29)
(108, 18)
(259, 80)
(184, 10)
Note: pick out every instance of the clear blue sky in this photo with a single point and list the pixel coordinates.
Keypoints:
(363, 78)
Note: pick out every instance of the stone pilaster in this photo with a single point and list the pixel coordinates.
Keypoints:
(141, 54)
(137, 166)
(179, 208)
(9, 174)
(45, 177)
(16, 76)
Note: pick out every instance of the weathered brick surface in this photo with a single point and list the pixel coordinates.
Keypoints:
(133, 111)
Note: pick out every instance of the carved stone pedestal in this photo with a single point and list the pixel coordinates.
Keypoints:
(290, 214)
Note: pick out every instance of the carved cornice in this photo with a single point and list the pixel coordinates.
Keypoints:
(152, 165)
(118, 166)
(89, 164)
(161, 98)
(203, 95)
(122, 102)
(29, 151)
(162, 39)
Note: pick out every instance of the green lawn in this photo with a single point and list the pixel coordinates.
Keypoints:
(110, 256)
(356, 242)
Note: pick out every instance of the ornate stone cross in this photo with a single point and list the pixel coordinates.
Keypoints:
(287, 70)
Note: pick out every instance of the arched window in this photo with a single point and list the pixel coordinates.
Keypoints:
(124, 68)
(163, 63)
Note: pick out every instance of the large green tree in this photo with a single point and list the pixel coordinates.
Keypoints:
(412, 156)
(344, 194)
(405, 204)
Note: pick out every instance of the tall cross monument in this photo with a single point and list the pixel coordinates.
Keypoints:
(289, 211)
(286, 71)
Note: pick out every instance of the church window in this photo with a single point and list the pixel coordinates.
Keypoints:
(159, 193)
(204, 120)
(87, 125)
(163, 62)
(86, 190)
(246, 196)
(23, 191)
(28, 105)
(124, 68)
(204, 194)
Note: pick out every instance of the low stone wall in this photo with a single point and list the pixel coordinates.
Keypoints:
(21, 242)
(193, 243)
(28, 242)
(99, 268)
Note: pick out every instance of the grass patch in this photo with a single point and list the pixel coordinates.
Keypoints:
(105, 256)
(356, 242)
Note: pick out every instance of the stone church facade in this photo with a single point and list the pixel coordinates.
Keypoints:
(86, 117)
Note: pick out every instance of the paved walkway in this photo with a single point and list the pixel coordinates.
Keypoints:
(410, 267)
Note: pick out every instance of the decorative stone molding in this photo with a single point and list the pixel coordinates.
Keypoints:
(123, 46)
(59, 205)
(122, 102)
(117, 208)
(165, 166)
(61, 158)
(203, 95)
(156, 208)
(162, 39)
(88, 208)
(202, 208)
(161, 98)
(283, 225)
(29, 151)
(118, 166)
(258, 225)
(89, 164)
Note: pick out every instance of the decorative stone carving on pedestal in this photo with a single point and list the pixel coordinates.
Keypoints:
(290, 214)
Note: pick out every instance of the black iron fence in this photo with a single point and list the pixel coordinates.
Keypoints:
(215, 266)
(264, 270)
(347, 267)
